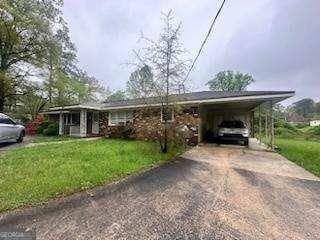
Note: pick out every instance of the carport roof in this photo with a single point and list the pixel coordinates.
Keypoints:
(186, 98)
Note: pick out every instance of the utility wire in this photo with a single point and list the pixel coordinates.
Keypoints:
(205, 40)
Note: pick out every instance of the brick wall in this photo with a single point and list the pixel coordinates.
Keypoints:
(147, 125)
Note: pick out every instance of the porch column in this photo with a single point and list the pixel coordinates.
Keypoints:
(61, 124)
(83, 123)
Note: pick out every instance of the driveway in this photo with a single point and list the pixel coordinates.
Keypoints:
(14, 144)
(208, 193)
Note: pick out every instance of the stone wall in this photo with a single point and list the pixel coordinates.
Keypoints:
(147, 125)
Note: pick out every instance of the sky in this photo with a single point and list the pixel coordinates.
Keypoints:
(277, 42)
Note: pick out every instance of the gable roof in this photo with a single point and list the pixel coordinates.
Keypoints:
(185, 98)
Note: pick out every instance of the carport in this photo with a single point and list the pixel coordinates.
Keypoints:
(239, 108)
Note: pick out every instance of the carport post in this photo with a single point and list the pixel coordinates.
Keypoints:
(272, 126)
(266, 126)
(260, 123)
(252, 124)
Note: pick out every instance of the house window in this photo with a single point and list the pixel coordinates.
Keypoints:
(169, 115)
(72, 119)
(120, 118)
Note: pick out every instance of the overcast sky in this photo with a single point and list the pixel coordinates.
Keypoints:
(277, 42)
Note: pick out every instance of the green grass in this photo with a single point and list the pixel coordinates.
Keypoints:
(289, 131)
(302, 152)
(33, 175)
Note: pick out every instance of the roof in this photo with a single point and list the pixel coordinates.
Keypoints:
(185, 98)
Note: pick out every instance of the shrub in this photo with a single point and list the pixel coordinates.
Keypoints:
(43, 126)
(121, 131)
(127, 132)
(285, 132)
(51, 130)
(289, 126)
(316, 131)
(301, 125)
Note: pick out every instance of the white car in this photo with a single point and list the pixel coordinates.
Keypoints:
(234, 130)
(10, 130)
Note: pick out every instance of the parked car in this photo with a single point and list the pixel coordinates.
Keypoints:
(234, 130)
(10, 130)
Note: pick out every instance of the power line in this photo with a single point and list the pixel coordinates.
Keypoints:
(205, 40)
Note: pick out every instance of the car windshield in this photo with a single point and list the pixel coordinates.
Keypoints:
(232, 124)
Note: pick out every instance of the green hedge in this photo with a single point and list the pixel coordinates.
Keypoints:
(49, 129)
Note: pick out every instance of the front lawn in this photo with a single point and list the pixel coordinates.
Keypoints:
(33, 175)
(302, 152)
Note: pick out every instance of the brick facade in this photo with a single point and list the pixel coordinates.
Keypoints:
(147, 125)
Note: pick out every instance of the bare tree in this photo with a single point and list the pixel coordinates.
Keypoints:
(140, 84)
(167, 60)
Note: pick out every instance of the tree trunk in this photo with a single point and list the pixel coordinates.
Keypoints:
(165, 148)
(2, 93)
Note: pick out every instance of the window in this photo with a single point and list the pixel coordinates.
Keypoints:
(4, 120)
(120, 118)
(169, 115)
(72, 119)
(75, 118)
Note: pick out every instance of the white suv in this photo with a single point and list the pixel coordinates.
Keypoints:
(234, 130)
(10, 130)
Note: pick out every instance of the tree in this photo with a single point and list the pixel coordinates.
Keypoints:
(140, 84)
(166, 59)
(117, 96)
(26, 27)
(230, 81)
(66, 83)
(317, 108)
(305, 107)
(34, 39)
(33, 101)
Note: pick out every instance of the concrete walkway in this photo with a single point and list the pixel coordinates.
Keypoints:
(208, 193)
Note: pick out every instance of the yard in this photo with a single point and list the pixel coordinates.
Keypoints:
(302, 152)
(33, 175)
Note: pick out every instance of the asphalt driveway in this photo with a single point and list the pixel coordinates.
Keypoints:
(208, 193)
(14, 144)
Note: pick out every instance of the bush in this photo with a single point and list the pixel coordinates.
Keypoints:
(51, 130)
(122, 131)
(284, 132)
(315, 131)
(43, 126)
(301, 125)
(289, 126)
(127, 132)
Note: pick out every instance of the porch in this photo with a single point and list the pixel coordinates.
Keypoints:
(77, 122)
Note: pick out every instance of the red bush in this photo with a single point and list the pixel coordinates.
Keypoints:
(31, 127)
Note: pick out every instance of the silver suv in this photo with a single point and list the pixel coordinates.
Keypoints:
(234, 130)
(10, 130)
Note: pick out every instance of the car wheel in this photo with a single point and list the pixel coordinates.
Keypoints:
(20, 139)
